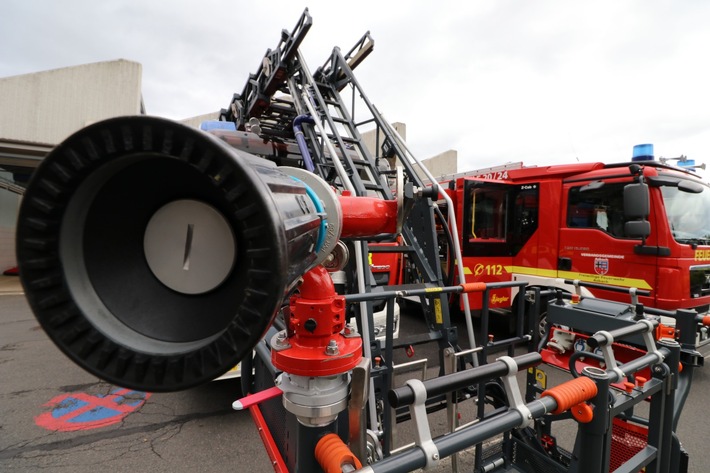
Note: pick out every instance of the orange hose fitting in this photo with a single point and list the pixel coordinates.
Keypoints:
(571, 393)
(332, 454)
(473, 287)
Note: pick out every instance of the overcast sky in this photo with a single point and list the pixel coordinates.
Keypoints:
(541, 82)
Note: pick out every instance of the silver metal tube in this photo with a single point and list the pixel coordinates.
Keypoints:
(342, 174)
(454, 231)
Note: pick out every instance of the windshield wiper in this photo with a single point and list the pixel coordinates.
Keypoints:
(694, 241)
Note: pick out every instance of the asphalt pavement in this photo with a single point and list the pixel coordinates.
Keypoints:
(58, 418)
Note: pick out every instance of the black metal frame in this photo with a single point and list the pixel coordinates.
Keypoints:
(283, 89)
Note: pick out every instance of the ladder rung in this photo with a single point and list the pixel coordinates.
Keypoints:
(334, 103)
(346, 139)
(371, 185)
(360, 163)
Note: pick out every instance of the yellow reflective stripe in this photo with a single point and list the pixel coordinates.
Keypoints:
(438, 314)
(597, 278)
(605, 279)
(545, 273)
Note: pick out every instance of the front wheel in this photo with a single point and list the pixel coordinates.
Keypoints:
(542, 323)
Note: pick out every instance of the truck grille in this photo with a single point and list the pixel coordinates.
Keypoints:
(699, 281)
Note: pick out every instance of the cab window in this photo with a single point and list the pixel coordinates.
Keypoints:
(489, 214)
(498, 218)
(600, 207)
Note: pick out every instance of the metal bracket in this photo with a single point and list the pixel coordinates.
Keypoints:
(650, 341)
(577, 287)
(512, 391)
(422, 433)
(633, 292)
(608, 354)
(359, 389)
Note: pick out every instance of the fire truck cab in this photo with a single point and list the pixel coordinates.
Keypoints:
(642, 225)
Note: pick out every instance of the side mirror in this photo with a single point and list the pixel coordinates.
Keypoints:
(636, 210)
(636, 201)
(690, 186)
(637, 229)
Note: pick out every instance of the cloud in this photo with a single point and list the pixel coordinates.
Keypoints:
(539, 82)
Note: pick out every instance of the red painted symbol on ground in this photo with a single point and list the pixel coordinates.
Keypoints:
(81, 411)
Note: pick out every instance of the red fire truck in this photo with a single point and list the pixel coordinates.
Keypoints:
(640, 224)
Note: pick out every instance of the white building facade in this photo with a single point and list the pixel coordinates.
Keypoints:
(40, 110)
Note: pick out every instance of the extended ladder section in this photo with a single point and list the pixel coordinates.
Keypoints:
(335, 121)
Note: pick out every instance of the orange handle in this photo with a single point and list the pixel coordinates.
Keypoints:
(583, 413)
(706, 320)
(473, 286)
(332, 454)
(571, 393)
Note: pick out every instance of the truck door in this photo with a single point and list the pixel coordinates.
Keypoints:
(498, 219)
(593, 246)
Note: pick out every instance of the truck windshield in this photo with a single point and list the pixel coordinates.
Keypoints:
(688, 215)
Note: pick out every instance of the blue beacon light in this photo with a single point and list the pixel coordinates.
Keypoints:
(643, 152)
